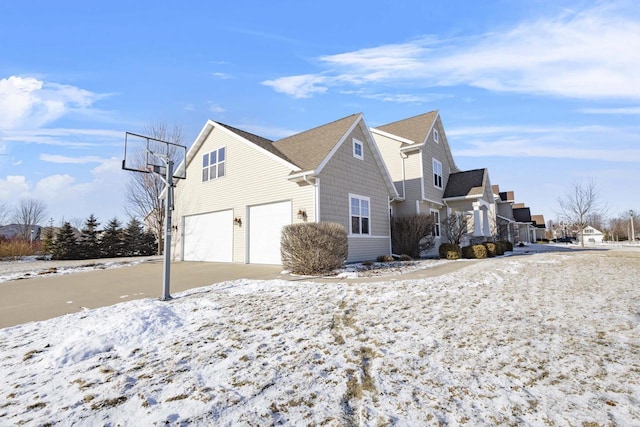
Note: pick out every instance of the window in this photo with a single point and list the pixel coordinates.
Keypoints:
(437, 173)
(359, 212)
(358, 152)
(213, 164)
(435, 136)
(436, 223)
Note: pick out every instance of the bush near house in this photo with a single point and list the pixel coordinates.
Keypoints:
(508, 246)
(500, 247)
(491, 249)
(449, 251)
(412, 235)
(313, 248)
(474, 252)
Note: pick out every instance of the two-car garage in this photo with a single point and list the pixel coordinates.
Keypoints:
(210, 236)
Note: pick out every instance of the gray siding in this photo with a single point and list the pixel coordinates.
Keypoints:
(344, 175)
(435, 150)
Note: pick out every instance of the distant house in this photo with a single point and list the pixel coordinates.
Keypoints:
(241, 189)
(591, 236)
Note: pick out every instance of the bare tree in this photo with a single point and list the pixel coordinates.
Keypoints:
(28, 214)
(455, 227)
(143, 190)
(580, 204)
(4, 212)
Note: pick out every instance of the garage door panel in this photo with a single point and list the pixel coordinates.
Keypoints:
(265, 227)
(209, 237)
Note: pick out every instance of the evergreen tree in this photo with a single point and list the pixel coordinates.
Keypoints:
(65, 245)
(89, 241)
(149, 244)
(133, 237)
(48, 240)
(112, 242)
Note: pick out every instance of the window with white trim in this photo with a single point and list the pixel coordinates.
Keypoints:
(435, 136)
(437, 174)
(359, 213)
(436, 222)
(358, 149)
(213, 164)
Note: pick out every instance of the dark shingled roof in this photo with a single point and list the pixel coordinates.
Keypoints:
(261, 142)
(414, 128)
(522, 214)
(465, 184)
(309, 148)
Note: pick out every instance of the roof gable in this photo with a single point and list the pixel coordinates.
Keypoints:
(255, 141)
(310, 148)
(415, 128)
(467, 183)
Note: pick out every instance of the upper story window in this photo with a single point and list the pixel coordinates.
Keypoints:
(437, 174)
(358, 149)
(435, 136)
(213, 164)
(359, 213)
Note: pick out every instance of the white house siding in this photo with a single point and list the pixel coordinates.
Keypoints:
(344, 175)
(252, 177)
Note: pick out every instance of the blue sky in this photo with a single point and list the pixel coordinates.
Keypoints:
(542, 93)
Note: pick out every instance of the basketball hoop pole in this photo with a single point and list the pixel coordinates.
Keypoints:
(168, 207)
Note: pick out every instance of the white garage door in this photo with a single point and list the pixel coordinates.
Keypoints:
(209, 237)
(265, 225)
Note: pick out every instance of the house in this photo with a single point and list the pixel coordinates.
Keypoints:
(591, 236)
(506, 226)
(241, 189)
(419, 160)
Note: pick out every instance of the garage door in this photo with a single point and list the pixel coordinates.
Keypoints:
(265, 225)
(209, 237)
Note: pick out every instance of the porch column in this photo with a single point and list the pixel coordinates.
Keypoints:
(477, 220)
(486, 227)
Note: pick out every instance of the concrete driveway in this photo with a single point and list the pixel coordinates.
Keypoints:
(45, 297)
(42, 298)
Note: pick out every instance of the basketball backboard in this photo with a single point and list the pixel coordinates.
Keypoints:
(146, 154)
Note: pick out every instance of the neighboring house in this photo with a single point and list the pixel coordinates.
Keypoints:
(419, 159)
(241, 189)
(540, 228)
(591, 236)
(506, 226)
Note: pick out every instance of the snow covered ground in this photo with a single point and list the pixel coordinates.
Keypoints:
(548, 338)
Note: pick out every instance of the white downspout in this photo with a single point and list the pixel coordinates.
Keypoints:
(316, 208)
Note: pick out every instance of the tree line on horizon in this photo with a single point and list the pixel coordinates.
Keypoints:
(91, 243)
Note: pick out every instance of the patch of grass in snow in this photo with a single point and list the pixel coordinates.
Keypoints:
(108, 403)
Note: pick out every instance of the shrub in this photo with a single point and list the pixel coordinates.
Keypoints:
(313, 248)
(385, 258)
(449, 251)
(412, 235)
(474, 252)
(508, 246)
(491, 249)
(16, 248)
(405, 257)
(500, 247)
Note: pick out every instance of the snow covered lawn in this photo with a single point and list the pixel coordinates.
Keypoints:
(540, 339)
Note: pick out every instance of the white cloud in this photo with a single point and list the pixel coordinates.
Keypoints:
(75, 138)
(27, 102)
(14, 188)
(617, 111)
(221, 76)
(594, 53)
(578, 142)
(56, 158)
(303, 86)
(216, 109)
